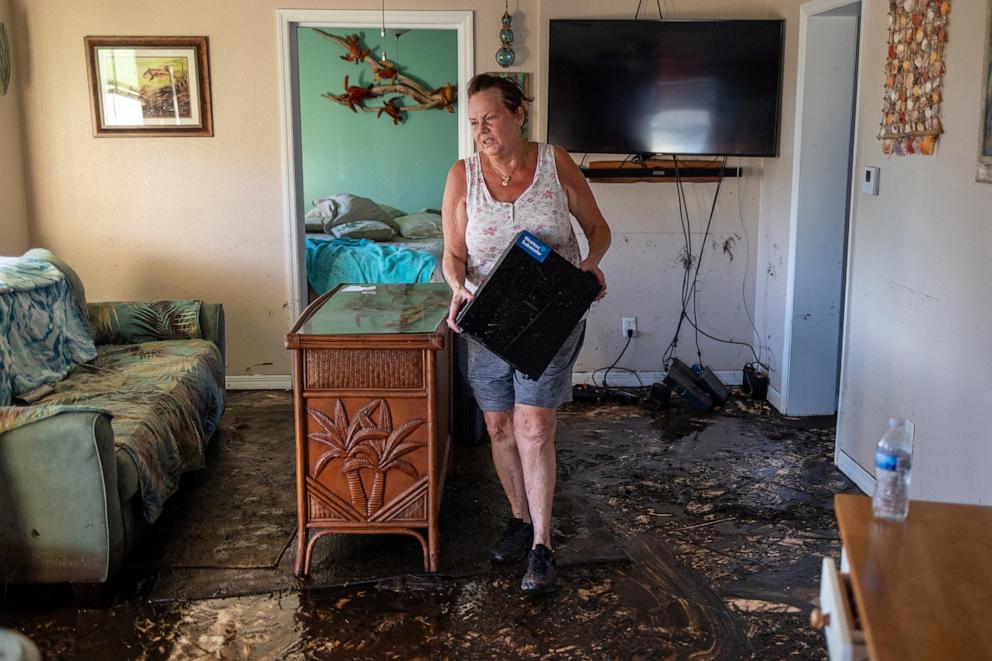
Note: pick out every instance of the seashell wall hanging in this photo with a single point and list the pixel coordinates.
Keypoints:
(914, 76)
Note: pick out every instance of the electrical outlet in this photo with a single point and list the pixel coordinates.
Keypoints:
(629, 324)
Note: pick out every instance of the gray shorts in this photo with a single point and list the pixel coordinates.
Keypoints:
(497, 386)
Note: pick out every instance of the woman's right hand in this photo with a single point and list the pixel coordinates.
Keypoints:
(459, 297)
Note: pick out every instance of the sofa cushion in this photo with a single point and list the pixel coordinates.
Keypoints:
(166, 398)
(133, 323)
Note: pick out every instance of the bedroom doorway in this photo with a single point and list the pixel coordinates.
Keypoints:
(368, 142)
(826, 113)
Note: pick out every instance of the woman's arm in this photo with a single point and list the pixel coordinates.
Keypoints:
(582, 205)
(454, 219)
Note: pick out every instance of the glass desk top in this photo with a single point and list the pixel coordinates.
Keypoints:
(371, 309)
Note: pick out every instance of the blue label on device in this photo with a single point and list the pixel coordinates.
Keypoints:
(885, 461)
(533, 246)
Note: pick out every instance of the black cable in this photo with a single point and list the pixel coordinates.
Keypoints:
(620, 369)
(638, 10)
(622, 352)
(699, 260)
(747, 262)
(687, 263)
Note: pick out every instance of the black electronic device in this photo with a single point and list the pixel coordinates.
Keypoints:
(584, 392)
(528, 304)
(711, 383)
(657, 397)
(755, 383)
(624, 396)
(707, 87)
(684, 381)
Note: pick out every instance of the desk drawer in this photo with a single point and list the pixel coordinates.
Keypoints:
(837, 616)
(363, 369)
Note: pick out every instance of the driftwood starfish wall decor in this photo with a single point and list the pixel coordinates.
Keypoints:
(356, 96)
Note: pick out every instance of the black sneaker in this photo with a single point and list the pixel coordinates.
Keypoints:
(540, 576)
(517, 538)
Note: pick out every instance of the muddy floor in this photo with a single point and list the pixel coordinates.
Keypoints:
(680, 535)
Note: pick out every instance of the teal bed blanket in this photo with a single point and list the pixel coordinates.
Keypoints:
(329, 263)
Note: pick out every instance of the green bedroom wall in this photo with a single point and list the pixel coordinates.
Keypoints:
(405, 165)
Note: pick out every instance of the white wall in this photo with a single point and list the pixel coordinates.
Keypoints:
(13, 200)
(920, 307)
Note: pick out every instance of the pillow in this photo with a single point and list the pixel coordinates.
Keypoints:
(392, 211)
(134, 323)
(420, 225)
(345, 208)
(372, 230)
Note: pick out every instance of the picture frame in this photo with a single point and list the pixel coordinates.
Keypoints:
(149, 86)
(984, 167)
(522, 79)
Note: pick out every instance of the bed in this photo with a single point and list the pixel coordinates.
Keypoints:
(360, 241)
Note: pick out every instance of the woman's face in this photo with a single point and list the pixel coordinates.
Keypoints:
(494, 128)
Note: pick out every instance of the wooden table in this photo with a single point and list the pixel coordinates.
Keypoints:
(372, 391)
(923, 587)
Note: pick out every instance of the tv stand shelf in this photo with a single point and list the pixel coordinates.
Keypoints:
(657, 170)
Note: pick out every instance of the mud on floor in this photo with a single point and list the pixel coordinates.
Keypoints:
(724, 516)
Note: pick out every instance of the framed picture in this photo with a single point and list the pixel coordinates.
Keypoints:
(523, 81)
(984, 172)
(149, 86)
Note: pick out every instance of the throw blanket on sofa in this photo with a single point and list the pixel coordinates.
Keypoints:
(166, 398)
(43, 334)
(329, 263)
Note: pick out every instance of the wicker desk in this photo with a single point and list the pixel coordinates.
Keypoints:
(372, 392)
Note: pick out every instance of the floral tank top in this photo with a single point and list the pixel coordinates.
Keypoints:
(542, 210)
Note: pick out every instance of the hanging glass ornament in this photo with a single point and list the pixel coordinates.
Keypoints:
(505, 55)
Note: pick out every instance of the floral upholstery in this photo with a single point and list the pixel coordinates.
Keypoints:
(166, 399)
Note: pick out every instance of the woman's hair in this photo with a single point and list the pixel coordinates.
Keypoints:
(513, 97)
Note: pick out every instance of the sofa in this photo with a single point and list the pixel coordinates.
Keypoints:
(107, 405)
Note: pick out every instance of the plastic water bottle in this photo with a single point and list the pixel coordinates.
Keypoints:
(893, 461)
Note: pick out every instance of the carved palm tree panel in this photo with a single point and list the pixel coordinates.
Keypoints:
(363, 457)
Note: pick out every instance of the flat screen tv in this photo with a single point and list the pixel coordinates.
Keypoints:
(665, 87)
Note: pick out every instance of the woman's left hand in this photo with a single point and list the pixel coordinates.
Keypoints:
(592, 267)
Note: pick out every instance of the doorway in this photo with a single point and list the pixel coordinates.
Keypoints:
(289, 22)
(826, 112)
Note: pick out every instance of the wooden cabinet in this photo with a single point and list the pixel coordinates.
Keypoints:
(372, 392)
(917, 589)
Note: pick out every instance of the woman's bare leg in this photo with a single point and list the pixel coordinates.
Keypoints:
(507, 460)
(534, 432)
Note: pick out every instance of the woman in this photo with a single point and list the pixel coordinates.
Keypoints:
(509, 185)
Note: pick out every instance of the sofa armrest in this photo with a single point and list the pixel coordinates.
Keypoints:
(212, 326)
(60, 516)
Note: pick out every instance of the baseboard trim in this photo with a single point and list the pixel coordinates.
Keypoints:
(775, 399)
(858, 475)
(260, 382)
(626, 379)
